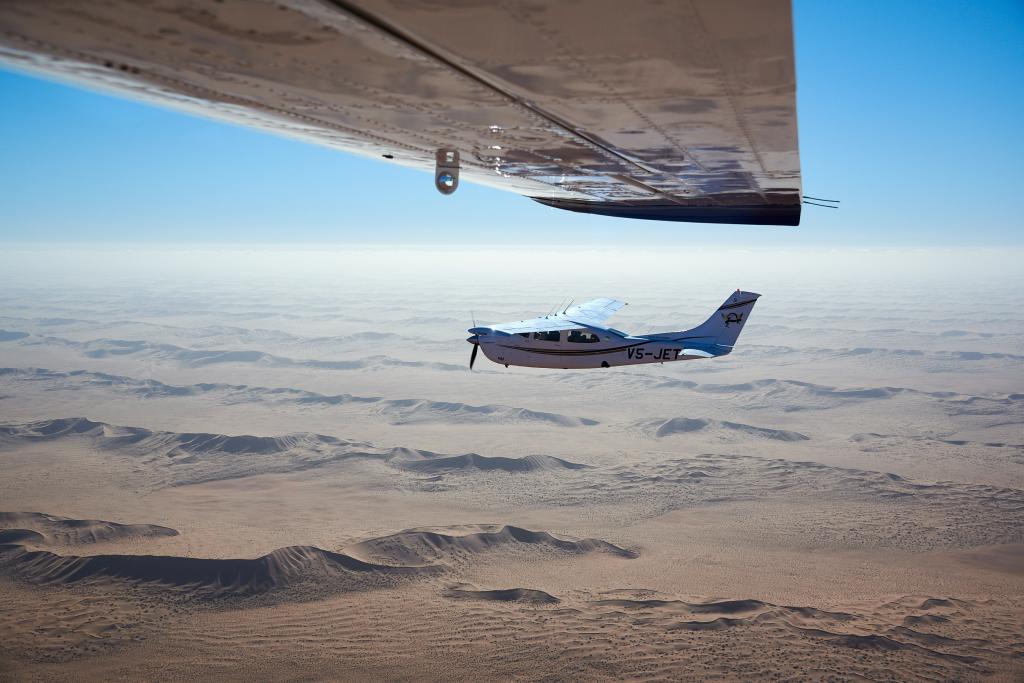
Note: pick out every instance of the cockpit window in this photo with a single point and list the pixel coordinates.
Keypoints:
(547, 336)
(582, 336)
(524, 335)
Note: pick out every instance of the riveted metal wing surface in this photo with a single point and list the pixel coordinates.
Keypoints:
(681, 110)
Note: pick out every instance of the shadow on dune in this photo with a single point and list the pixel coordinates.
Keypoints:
(203, 576)
(371, 563)
(526, 596)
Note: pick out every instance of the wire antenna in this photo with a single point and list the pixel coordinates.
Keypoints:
(824, 206)
(819, 199)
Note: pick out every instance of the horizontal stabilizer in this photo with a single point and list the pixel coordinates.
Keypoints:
(719, 332)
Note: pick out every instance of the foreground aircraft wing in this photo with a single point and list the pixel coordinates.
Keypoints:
(679, 111)
(589, 314)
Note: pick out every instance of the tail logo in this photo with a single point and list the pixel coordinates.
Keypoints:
(730, 318)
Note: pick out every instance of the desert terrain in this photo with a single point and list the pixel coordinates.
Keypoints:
(276, 464)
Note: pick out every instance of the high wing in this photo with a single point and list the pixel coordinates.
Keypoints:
(682, 110)
(594, 312)
(589, 314)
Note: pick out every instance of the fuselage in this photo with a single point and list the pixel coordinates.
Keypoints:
(579, 349)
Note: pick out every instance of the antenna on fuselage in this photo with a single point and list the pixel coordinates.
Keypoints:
(571, 301)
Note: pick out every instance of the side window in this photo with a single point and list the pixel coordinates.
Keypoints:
(546, 336)
(582, 337)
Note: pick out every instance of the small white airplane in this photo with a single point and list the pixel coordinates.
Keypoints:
(577, 338)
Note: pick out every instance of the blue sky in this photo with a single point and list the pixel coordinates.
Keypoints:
(910, 112)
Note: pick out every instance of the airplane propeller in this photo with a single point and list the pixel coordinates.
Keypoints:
(474, 340)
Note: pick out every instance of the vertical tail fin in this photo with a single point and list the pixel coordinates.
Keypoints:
(725, 324)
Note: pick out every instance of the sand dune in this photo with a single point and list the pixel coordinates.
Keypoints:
(791, 390)
(918, 360)
(187, 458)
(78, 380)
(795, 396)
(970, 514)
(12, 335)
(62, 530)
(212, 333)
(933, 331)
(686, 425)
(932, 515)
(473, 461)
(780, 356)
(878, 627)
(21, 537)
(680, 606)
(411, 411)
(429, 546)
(146, 441)
(881, 353)
(206, 454)
(203, 577)
(197, 358)
(878, 440)
(370, 563)
(396, 410)
(528, 596)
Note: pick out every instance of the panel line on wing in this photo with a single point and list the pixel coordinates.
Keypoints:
(730, 98)
(653, 190)
(558, 42)
(410, 40)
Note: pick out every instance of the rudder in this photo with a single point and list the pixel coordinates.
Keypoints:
(726, 323)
